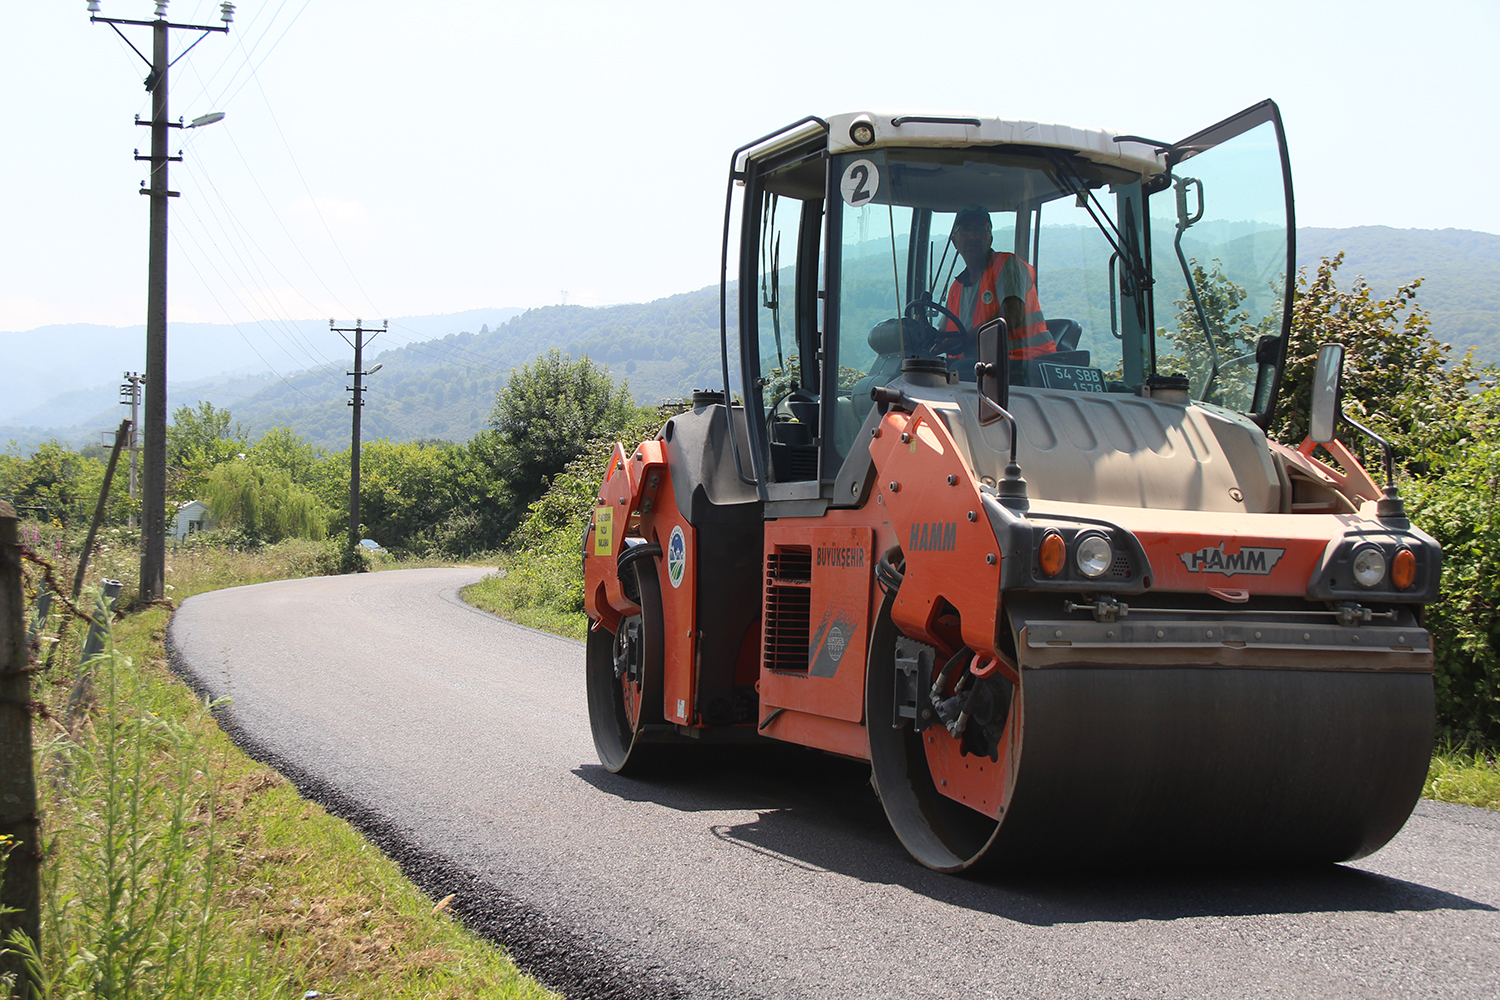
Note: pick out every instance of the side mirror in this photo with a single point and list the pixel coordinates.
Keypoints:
(1326, 400)
(992, 373)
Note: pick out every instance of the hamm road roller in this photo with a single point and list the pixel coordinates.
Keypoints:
(987, 500)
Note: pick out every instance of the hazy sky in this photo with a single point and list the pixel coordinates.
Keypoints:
(384, 159)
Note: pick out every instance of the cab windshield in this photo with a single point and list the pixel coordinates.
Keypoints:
(934, 243)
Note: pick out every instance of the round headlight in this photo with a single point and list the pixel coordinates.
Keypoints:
(1369, 566)
(1094, 555)
(862, 133)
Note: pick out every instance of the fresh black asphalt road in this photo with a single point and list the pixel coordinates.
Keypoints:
(460, 743)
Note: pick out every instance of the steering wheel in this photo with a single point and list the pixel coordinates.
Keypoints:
(934, 339)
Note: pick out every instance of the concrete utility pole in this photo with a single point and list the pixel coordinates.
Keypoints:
(154, 492)
(358, 402)
(131, 391)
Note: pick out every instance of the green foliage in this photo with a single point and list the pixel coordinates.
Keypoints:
(283, 448)
(263, 503)
(53, 481)
(1232, 338)
(539, 582)
(198, 440)
(548, 413)
(1399, 379)
(1461, 509)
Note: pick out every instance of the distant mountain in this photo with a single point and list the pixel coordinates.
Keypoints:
(53, 361)
(1460, 268)
(445, 387)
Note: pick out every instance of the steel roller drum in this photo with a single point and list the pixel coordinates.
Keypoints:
(1142, 764)
(1217, 765)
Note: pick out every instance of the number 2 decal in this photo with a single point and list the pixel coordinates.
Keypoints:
(861, 181)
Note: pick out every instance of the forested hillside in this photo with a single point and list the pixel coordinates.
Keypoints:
(1460, 271)
(445, 388)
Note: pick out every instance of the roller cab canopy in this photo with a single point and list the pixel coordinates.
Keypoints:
(1161, 269)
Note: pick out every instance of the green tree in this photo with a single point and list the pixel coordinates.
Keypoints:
(285, 449)
(198, 440)
(548, 413)
(1461, 509)
(1233, 337)
(54, 478)
(264, 503)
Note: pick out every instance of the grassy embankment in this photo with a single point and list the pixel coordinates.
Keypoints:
(537, 585)
(176, 866)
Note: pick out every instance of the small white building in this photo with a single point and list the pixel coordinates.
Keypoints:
(193, 517)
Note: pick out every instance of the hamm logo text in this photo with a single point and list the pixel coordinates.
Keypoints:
(1256, 562)
(935, 536)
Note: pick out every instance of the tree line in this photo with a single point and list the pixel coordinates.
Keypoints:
(424, 497)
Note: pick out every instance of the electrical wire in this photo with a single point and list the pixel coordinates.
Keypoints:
(289, 326)
(206, 287)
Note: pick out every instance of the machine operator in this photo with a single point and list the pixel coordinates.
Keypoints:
(994, 284)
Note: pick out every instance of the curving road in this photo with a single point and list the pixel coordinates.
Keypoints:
(460, 743)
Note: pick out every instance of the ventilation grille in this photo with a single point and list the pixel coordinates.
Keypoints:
(788, 620)
(804, 463)
(1120, 570)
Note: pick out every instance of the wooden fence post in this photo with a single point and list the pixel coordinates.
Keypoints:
(21, 888)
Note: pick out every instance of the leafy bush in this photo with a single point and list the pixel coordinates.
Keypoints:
(1461, 510)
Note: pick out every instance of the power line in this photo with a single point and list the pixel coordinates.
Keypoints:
(241, 301)
(236, 326)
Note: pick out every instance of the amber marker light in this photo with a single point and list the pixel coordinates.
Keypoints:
(1054, 553)
(1404, 569)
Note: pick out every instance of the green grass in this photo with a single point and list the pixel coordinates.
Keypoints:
(175, 866)
(1465, 776)
(537, 588)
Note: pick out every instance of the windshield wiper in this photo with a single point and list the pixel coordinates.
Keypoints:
(1074, 184)
(770, 268)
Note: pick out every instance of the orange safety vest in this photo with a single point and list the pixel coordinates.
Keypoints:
(1004, 276)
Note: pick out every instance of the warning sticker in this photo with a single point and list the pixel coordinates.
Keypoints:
(604, 533)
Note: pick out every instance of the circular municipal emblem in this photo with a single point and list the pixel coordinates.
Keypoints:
(989, 296)
(836, 643)
(676, 556)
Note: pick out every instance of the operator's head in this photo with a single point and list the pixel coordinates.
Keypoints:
(971, 233)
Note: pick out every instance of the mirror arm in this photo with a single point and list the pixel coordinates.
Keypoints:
(1388, 507)
(993, 340)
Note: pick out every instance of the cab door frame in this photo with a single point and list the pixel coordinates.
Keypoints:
(805, 305)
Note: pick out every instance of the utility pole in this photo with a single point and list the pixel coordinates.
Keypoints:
(154, 491)
(131, 393)
(358, 402)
